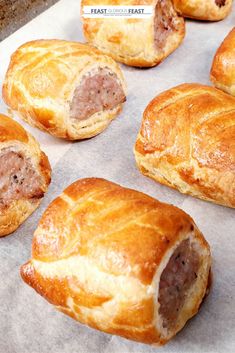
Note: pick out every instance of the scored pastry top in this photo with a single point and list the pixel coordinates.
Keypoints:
(136, 41)
(108, 256)
(186, 141)
(191, 121)
(76, 217)
(68, 89)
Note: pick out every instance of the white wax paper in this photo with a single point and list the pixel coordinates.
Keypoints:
(28, 324)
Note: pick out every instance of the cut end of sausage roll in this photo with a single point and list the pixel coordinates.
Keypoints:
(179, 285)
(100, 90)
(220, 3)
(166, 22)
(24, 175)
(176, 280)
(137, 42)
(119, 261)
(186, 141)
(223, 66)
(73, 93)
(205, 10)
(18, 178)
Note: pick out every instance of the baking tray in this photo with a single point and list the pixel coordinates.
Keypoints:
(28, 324)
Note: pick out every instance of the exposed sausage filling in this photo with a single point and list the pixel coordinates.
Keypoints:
(99, 91)
(18, 179)
(220, 3)
(176, 279)
(164, 22)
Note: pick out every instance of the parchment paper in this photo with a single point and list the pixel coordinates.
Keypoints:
(28, 324)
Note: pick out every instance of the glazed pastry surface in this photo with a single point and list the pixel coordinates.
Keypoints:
(24, 175)
(136, 42)
(223, 66)
(206, 10)
(119, 261)
(67, 89)
(187, 141)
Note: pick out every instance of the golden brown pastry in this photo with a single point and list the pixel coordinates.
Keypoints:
(136, 42)
(24, 175)
(223, 67)
(119, 261)
(65, 88)
(207, 10)
(187, 142)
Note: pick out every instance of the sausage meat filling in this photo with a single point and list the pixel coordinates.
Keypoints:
(164, 22)
(97, 92)
(176, 279)
(220, 3)
(18, 179)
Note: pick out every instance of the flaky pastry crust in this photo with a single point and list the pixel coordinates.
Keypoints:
(13, 137)
(131, 41)
(186, 141)
(42, 78)
(223, 66)
(206, 10)
(98, 254)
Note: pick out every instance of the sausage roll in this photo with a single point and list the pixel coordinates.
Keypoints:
(65, 88)
(24, 175)
(223, 67)
(186, 141)
(207, 10)
(136, 42)
(119, 261)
